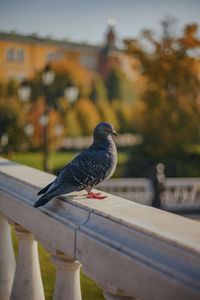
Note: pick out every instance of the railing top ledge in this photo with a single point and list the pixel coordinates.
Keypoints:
(28, 175)
(154, 248)
(168, 226)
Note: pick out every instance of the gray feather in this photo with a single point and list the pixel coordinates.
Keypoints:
(45, 189)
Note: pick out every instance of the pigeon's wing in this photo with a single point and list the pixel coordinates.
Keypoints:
(45, 189)
(86, 170)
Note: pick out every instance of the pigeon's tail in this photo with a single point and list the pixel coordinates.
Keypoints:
(45, 189)
(43, 200)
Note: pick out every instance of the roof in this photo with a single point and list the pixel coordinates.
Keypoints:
(35, 39)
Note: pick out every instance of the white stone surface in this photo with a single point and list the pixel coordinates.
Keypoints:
(147, 253)
(67, 285)
(27, 284)
(7, 260)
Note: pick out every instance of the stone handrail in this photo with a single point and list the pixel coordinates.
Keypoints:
(179, 194)
(134, 189)
(130, 250)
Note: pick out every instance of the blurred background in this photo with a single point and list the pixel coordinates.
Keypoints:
(67, 65)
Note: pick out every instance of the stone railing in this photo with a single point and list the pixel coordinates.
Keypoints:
(179, 194)
(134, 189)
(130, 250)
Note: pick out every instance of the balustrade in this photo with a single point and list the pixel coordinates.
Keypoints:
(27, 282)
(132, 251)
(179, 194)
(67, 278)
(7, 259)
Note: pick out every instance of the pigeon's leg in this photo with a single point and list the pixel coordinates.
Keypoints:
(92, 195)
(95, 196)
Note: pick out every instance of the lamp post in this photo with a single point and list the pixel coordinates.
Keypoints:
(158, 181)
(48, 77)
(29, 130)
(24, 92)
(71, 94)
(4, 140)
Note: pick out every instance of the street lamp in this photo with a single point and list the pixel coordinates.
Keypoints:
(48, 77)
(71, 94)
(29, 130)
(4, 140)
(59, 129)
(24, 91)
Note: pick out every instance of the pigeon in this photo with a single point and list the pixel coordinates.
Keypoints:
(92, 166)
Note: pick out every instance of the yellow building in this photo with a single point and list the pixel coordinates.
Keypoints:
(22, 56)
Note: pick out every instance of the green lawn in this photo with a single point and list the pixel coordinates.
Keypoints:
(34, 159)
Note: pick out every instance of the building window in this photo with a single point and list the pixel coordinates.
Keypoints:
(10, 54)
(88, 61)
(54, 56)
(50, 56)
(20, 55)
(58, 56)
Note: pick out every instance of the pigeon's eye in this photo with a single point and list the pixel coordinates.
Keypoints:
(107, 130)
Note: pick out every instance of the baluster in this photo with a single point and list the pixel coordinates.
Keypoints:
(7, 259)
(27, 283)
(67, 284)
(193, 191)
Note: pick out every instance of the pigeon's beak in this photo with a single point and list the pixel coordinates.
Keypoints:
(114, 132)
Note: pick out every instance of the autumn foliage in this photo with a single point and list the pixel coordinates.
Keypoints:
(168, 113)
(160, 103)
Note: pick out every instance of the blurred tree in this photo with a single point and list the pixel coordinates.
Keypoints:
(72, 124)
(98, 90)
(67, 73)
(114, 84)
(88, 115)
(124, 113)
(169, 118)
(107, 112)
(1, 89)
(73, 73)
(11, 88)
(34, 118)
(168, 114)
(35, 112)
(119, 87)
(190, 39)
(12, 120)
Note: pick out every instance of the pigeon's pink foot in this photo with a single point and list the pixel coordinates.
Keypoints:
(95, 196)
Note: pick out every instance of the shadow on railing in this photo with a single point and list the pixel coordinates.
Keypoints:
(130, 250)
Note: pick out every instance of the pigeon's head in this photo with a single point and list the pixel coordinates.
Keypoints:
(103, 130)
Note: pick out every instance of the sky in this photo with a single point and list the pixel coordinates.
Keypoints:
(86, 20)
